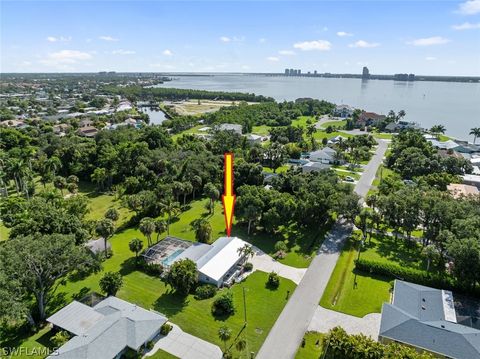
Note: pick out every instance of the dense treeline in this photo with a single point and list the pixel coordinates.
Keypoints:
(412, 156)
(136, 93)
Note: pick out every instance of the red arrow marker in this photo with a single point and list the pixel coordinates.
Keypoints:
(228, 198)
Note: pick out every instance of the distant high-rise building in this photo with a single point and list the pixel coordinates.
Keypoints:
(287, 72)
(299, 71)
(315, 72)
(292, 72)
(365, 73)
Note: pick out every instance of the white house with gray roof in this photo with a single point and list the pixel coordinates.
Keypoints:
(106, 330)
(425, 318)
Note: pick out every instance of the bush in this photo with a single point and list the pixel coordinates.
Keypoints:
(205, 291)
(111, 282)
(166, 328)
(342, 345)
(248, 266)
(150, 345)
(273, 280)
(280, 246)
(223, 305)
(153, 269)
(60, 338)
(407, 274)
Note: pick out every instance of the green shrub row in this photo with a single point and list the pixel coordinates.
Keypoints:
(205, 291)
(338, 344)
(406, 274)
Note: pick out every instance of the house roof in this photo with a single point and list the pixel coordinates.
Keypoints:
(77, 318)
(425, 318)
(118, 324)
(220, 258)
(230, 127)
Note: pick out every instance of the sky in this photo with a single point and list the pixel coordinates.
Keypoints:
(421, 37)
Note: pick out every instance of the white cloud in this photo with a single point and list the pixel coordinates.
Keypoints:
(59, 39)
(262, 40)
(245, 67)
(64, 57)
(232, 39)
(107, 38)
(320, 45)
(273, 59)
(343, 34)
(364, 44)
(167, 52)
(123, 52)
(286, 52)
(430, 58)
(466, 26)
(429, 41)
(470, 7)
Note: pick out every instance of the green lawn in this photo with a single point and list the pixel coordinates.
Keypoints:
(280, 169)
(261, 130)
(320, 135)
(382, 135)
(4, 231)
(342, 295)
(310, 350)
(340, 123)
(160, 354)
(303, 121)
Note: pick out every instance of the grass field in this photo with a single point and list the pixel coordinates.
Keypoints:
(198, 107)
(343, 296)
(338, 124)
(4, 231)
(303, 121)
(310, 350)
(160, 354)
(261, 130)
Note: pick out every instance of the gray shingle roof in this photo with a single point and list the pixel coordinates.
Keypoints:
(122, 324)
(417, 318)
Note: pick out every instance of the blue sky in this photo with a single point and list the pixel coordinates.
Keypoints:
(423, 37)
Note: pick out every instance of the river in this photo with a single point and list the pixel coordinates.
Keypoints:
(452, 104)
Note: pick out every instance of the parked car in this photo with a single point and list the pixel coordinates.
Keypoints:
(349, 179)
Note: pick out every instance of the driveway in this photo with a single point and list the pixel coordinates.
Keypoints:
(186, 346)
(265, 263)
(286, 335)
(324, 319)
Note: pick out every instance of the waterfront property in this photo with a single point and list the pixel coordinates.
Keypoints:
(219, 263)
(426, 318)
(106, 330)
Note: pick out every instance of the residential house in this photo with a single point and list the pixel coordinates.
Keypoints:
(336, 139)
(425, 318)
(219, 263)
(369, 119)
(86, 123)
(325, 155)
(255, 139)
(230, 127)
(343, 111)
(14, 123)
(88, 131)
(315, 166)
(460, 190)
(105, 331)
(60, 129)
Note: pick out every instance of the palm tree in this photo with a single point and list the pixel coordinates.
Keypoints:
(196, 184)
(160, 227)
(311, 129)
(224, 333)
(135, 246)
(105, 228)
(147, 227)
(212, 192)
(436, 130)
(246, 251)
(476, 133)
(203, 230)
(241, 345)
(171, 208)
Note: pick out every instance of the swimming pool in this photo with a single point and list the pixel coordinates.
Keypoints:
(171, 258)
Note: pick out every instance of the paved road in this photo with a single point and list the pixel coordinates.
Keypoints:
(286, 335)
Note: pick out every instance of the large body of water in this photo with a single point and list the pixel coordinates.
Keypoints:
(454, 105)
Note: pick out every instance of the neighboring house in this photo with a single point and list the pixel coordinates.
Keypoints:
(86, 123)
(369, 118)
(315, 166)
(88, 131)
(336, 139)
(473, 180)
(325, 155)
(13, 123)
(343, 111)
(106, 330)
(458, 190)
(98, 245)
(255, 139)
(230, 127)
(60, 129)
(425, 318)
(219, 263)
